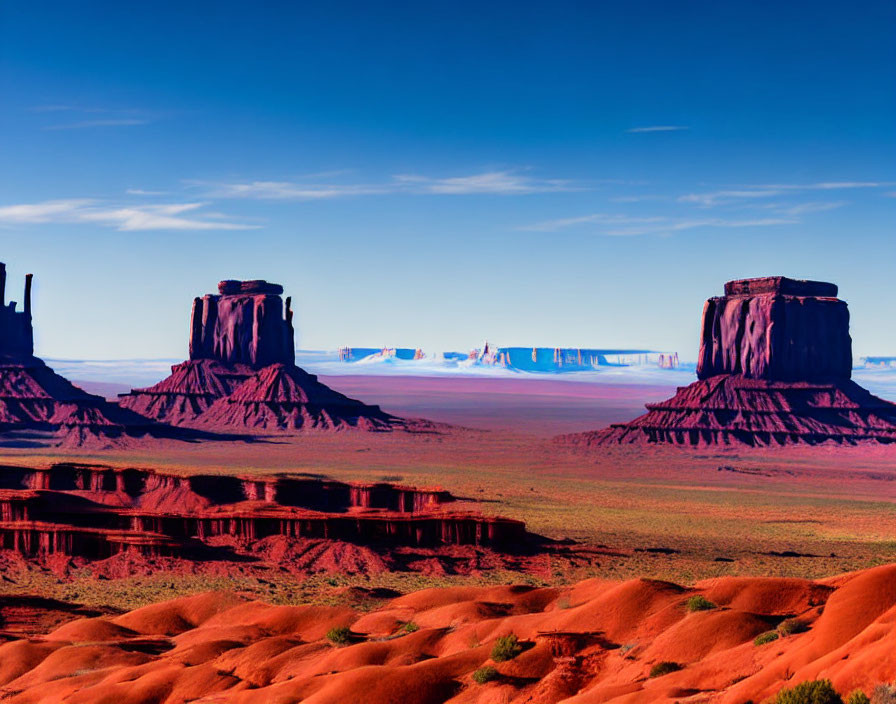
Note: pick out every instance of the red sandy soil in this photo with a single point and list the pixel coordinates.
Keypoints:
(593, 642)
(539, 406)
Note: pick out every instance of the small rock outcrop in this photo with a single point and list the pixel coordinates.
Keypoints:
(774, 368)
(37, 406)
(242, 373)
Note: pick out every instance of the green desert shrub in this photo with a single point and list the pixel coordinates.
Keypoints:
(409, 627)
(789, 626)
(664, 668)
(766, 637)
(506, 648)
(699, 603)
(813, 692)
(857, 697)
(485, 674)
(339, 636)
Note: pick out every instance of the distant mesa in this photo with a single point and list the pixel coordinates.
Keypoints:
(242, 373)
(569, 359)
(542, 360)
(774, 368)
(39, 407)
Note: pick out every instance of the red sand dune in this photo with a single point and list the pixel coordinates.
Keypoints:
(594, 642)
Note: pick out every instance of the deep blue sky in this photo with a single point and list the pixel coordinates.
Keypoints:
(432, 174)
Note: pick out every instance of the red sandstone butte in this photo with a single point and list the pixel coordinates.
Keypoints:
(242, 373)
(774, 368)
(36, 401)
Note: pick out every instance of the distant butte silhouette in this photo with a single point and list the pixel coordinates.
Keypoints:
(39, 407)
(774, 368)
(242, 373)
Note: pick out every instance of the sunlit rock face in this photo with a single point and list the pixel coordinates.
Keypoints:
(778, 329)
(774, 368)
(246, 323)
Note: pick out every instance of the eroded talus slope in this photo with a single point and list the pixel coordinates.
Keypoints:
(595, 642)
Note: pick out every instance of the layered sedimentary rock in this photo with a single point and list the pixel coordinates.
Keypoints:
(244, 324)
(96, 512)
(774, 367)
(34, 399)
(776, 328)
(242, 374)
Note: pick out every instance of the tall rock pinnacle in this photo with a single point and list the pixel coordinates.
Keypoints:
(16, 333)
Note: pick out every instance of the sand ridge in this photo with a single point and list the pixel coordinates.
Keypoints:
(593, 642)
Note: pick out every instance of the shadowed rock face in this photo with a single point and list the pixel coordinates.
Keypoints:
(778, 329)
(16, 334)
(246, 323)
(774, 368)
(37, 406)
(95, 512)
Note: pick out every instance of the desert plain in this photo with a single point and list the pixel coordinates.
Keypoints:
(620, 538)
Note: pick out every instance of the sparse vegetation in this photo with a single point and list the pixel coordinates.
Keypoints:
(884, 694)
(506, 648)
(857, 697)
(791, 626)
(339, 636)
(812, 692)
(409, 627)
(664, 668)
(698, 602)
(767, 637)
(485, 674)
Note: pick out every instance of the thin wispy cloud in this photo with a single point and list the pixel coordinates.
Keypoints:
(728, 196)
(658, 128)
(285, 190)
(144, 192)
(85, 124)
(622, 225)
(805, 208)
(125, 218)
(64, 108)
(491, 182)
(485, 183)
(111, 117)
(594, 218)
(671, 225)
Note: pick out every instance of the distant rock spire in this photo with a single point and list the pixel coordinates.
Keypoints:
(16, 333)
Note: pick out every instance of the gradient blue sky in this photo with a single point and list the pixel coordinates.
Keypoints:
(432, 174)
